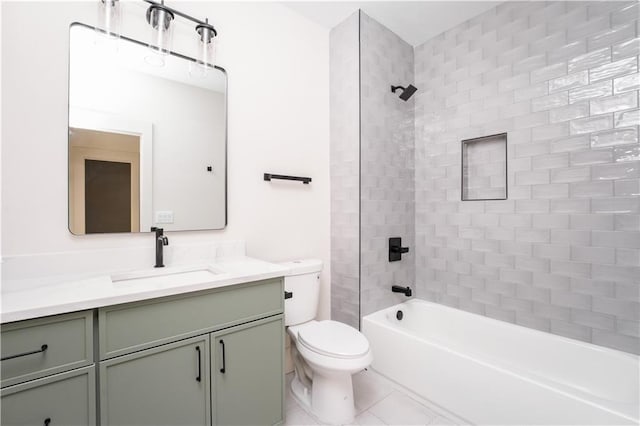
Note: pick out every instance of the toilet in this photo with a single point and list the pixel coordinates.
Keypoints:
(325, 353)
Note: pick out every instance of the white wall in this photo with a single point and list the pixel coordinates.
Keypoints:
(278, 122)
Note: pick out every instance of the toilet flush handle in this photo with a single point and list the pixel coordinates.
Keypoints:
(288, 294)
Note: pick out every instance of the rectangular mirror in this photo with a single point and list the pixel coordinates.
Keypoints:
(147, 138)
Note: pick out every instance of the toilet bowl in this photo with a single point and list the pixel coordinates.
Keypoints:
(325, 353)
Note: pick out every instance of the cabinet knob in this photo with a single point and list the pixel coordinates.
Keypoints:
(47, 421)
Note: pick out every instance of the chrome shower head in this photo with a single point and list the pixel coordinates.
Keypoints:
(407, 92)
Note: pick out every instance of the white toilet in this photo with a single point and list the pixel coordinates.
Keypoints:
(325, 353)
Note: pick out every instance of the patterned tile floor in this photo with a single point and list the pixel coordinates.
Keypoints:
(378, 402)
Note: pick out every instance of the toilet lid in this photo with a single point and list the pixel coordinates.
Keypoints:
(333, 339)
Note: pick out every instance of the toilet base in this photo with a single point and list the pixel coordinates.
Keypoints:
(330, 399)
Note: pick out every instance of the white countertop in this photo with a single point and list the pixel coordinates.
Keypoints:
(89, 293)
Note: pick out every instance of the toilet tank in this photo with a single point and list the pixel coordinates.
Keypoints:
(303, 281)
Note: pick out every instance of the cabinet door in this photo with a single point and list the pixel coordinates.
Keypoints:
(167, 385)
(65, 399)
(247, 373)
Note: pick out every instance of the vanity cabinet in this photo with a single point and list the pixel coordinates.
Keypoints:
(48, 373)
(214, 357)
(167, 385)
(247, 371)
(65, 399)
(202, 358)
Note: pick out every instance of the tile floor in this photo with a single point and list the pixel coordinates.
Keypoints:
(378, 402)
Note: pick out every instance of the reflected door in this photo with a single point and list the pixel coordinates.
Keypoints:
(104, 190)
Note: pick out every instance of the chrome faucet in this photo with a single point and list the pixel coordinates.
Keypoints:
(161, 241)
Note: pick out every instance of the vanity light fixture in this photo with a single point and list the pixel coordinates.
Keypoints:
(159, 17)
(205, 44)
(109, 17)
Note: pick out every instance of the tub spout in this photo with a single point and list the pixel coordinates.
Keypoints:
(400, 289)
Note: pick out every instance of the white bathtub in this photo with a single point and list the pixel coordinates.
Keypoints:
(493, 372)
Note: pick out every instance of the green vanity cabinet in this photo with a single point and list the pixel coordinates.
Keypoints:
(167, 385)
(48, 372)
(200, 358)
(65, 399)
(161, 359)
(247, 373)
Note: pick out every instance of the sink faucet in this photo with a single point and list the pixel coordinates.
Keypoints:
(161, 241)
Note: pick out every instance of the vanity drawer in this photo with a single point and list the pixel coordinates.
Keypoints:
(135, 326)
(44, 346)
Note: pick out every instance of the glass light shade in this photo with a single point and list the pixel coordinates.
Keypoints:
(109, 15)
(161, 30)
(206, 45)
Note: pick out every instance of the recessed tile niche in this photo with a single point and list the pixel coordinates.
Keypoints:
(484, 168)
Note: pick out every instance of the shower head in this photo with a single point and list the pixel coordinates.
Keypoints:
(406, 92)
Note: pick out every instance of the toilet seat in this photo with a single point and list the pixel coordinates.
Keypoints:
(333, 339)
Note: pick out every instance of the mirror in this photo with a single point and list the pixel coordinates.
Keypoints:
(147, 138)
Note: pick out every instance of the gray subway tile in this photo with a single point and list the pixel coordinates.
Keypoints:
(605, 255)
(615, 171)
(569, 81)
(590, 60)
(627, 188)
(570, 144)
(626, 222)
(545, 310)
(626, 49)
(628, 257)
(626, 83)
(628, 328)
(600, 222)
(570, 330)
(620, 136)
(596, 90)
(617, 239)
(569, 299)
(550, 221)
(550, 161)
(596, 156)
(620, 205)
(593, 319)
(591, 189)
(549, 72)
(570, 236)
(570, 112)
(554, 100)
(571, 205)
(614, 69)
(628, 13)
(551, 251)
(572, 174)
(591, 124)
(614, 103)
(624, 309)
(627, 118)
(611, 36)
(554, 190)
(531, 92)
(626, 153)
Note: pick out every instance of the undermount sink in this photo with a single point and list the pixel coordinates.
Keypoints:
(166, 276)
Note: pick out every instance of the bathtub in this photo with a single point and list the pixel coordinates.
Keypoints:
(492, 372)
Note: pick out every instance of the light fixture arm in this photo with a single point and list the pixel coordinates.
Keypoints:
(184, 15)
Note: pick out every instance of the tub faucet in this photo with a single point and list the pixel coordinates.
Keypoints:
(161, 241)
(399, 289)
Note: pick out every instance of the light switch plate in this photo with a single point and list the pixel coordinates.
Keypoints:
(164, 216)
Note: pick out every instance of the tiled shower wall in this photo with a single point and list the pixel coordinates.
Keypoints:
(345, 171)
(562, 254)
(387, 156)
(372, 138)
